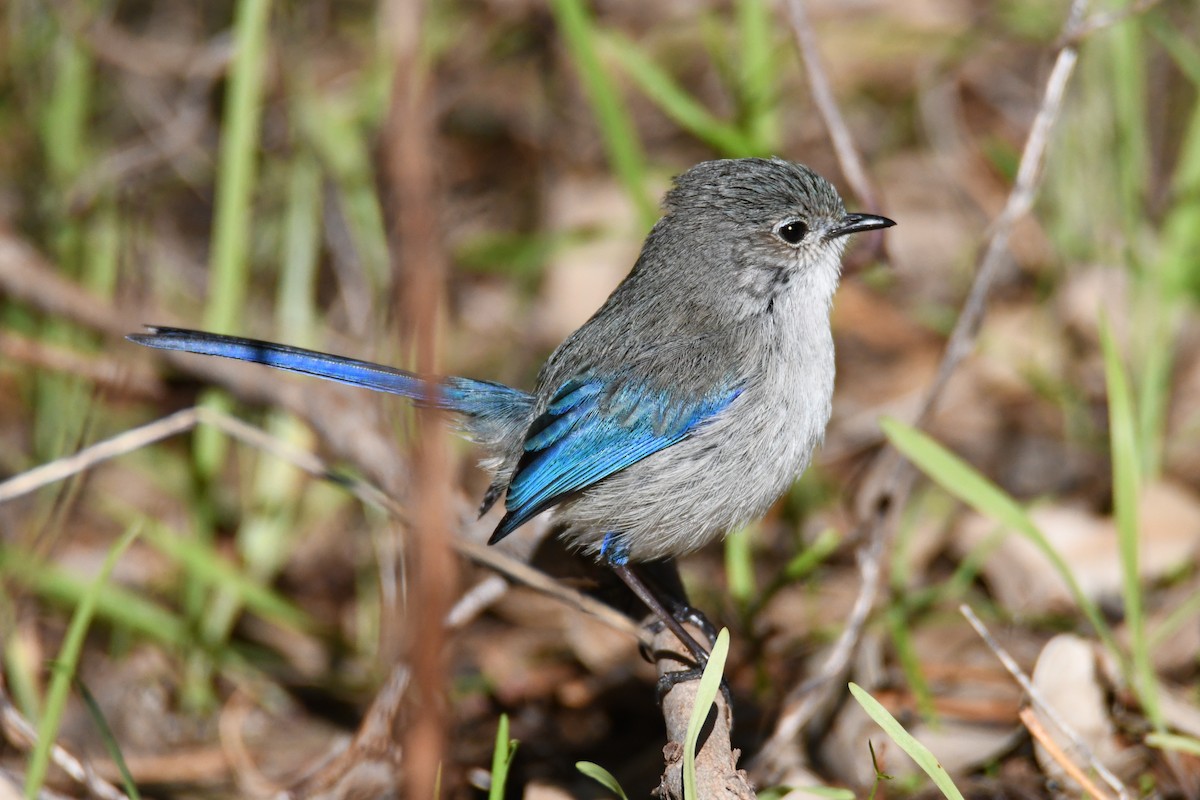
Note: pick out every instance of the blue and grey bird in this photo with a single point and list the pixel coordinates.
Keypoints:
(687, 404)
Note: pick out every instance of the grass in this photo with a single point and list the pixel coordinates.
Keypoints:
(918, 752)
(502, 757)
(65, 669)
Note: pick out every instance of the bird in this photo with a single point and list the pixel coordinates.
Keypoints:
(684, 407)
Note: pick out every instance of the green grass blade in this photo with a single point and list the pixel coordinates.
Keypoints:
(229, 277)
(1175, 619)
(899, 623)
(812, 556)
(64, 670)
(601, 776)
(686, 111)
(710, 684)
(203, 564)
(236, 168)
(110, 741)
(616, 125)
(829, 792)
(739, 566)
(502, 756)
(756, 23)
(1175, 742)
(114, 605)
(301, 252)
(968, 485)
(1126, 457)
(918, 752)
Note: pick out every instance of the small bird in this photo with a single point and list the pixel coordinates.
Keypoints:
(685, 406)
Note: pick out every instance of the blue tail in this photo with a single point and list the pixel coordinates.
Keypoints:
(490, 403)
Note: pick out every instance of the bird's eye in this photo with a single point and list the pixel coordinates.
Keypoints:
(792, 232)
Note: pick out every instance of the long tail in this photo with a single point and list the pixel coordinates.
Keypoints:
(490, 403)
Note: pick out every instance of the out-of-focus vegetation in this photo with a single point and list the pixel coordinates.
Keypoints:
(221, 165)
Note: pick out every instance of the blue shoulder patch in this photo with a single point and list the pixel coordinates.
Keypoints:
(590, 431)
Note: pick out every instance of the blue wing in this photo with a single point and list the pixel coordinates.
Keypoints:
(590, 431)
(481, 399)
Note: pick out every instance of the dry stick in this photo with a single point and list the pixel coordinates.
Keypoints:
(839, 132)
(103, 371)
(419, 277)
(367, 767)
(231, 723)
(891, 490)
(475, 601)
(717, 774)
(1037, 731)
(1106, 19)
(118, 445)
(28, 277)
(1041, 703)
(185, 420)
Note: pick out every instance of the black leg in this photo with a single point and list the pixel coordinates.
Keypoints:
(635, 584)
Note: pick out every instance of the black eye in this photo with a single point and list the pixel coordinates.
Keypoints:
(792, 232)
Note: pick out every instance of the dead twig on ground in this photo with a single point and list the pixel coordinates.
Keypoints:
(1043, 705)
(890, 477)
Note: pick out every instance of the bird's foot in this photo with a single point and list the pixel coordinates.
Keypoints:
(695, 617)
(669, 680)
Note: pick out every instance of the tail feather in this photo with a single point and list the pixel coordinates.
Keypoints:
(474, 398)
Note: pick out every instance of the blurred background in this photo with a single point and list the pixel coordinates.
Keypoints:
(331, 174)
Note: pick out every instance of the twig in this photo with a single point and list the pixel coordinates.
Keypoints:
(1020, 200)
(839, 132)
(1106, 19)
(103, 371)
(1042, 704)
(476, 600)
(367, 768)
(26, 276)
(118, 445)
(1037, 731)
(717, 773)
(890, 478)
(187, 419)
(250, 780)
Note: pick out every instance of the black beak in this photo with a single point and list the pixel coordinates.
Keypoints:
(857, 223)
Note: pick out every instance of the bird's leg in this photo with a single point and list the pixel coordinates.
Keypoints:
(615, 551)
(668, 680)
(639, 588)
(617, 557)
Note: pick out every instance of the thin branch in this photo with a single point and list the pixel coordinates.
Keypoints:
(1043, 737)
(1042, 704)
(419, 281)
(1106, 19)
(839, 132)
(717, 773)
(890, 478)
(127, 442)
(1020, 200)
(187, 419)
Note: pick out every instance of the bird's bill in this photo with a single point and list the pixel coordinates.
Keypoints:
(857, 223)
